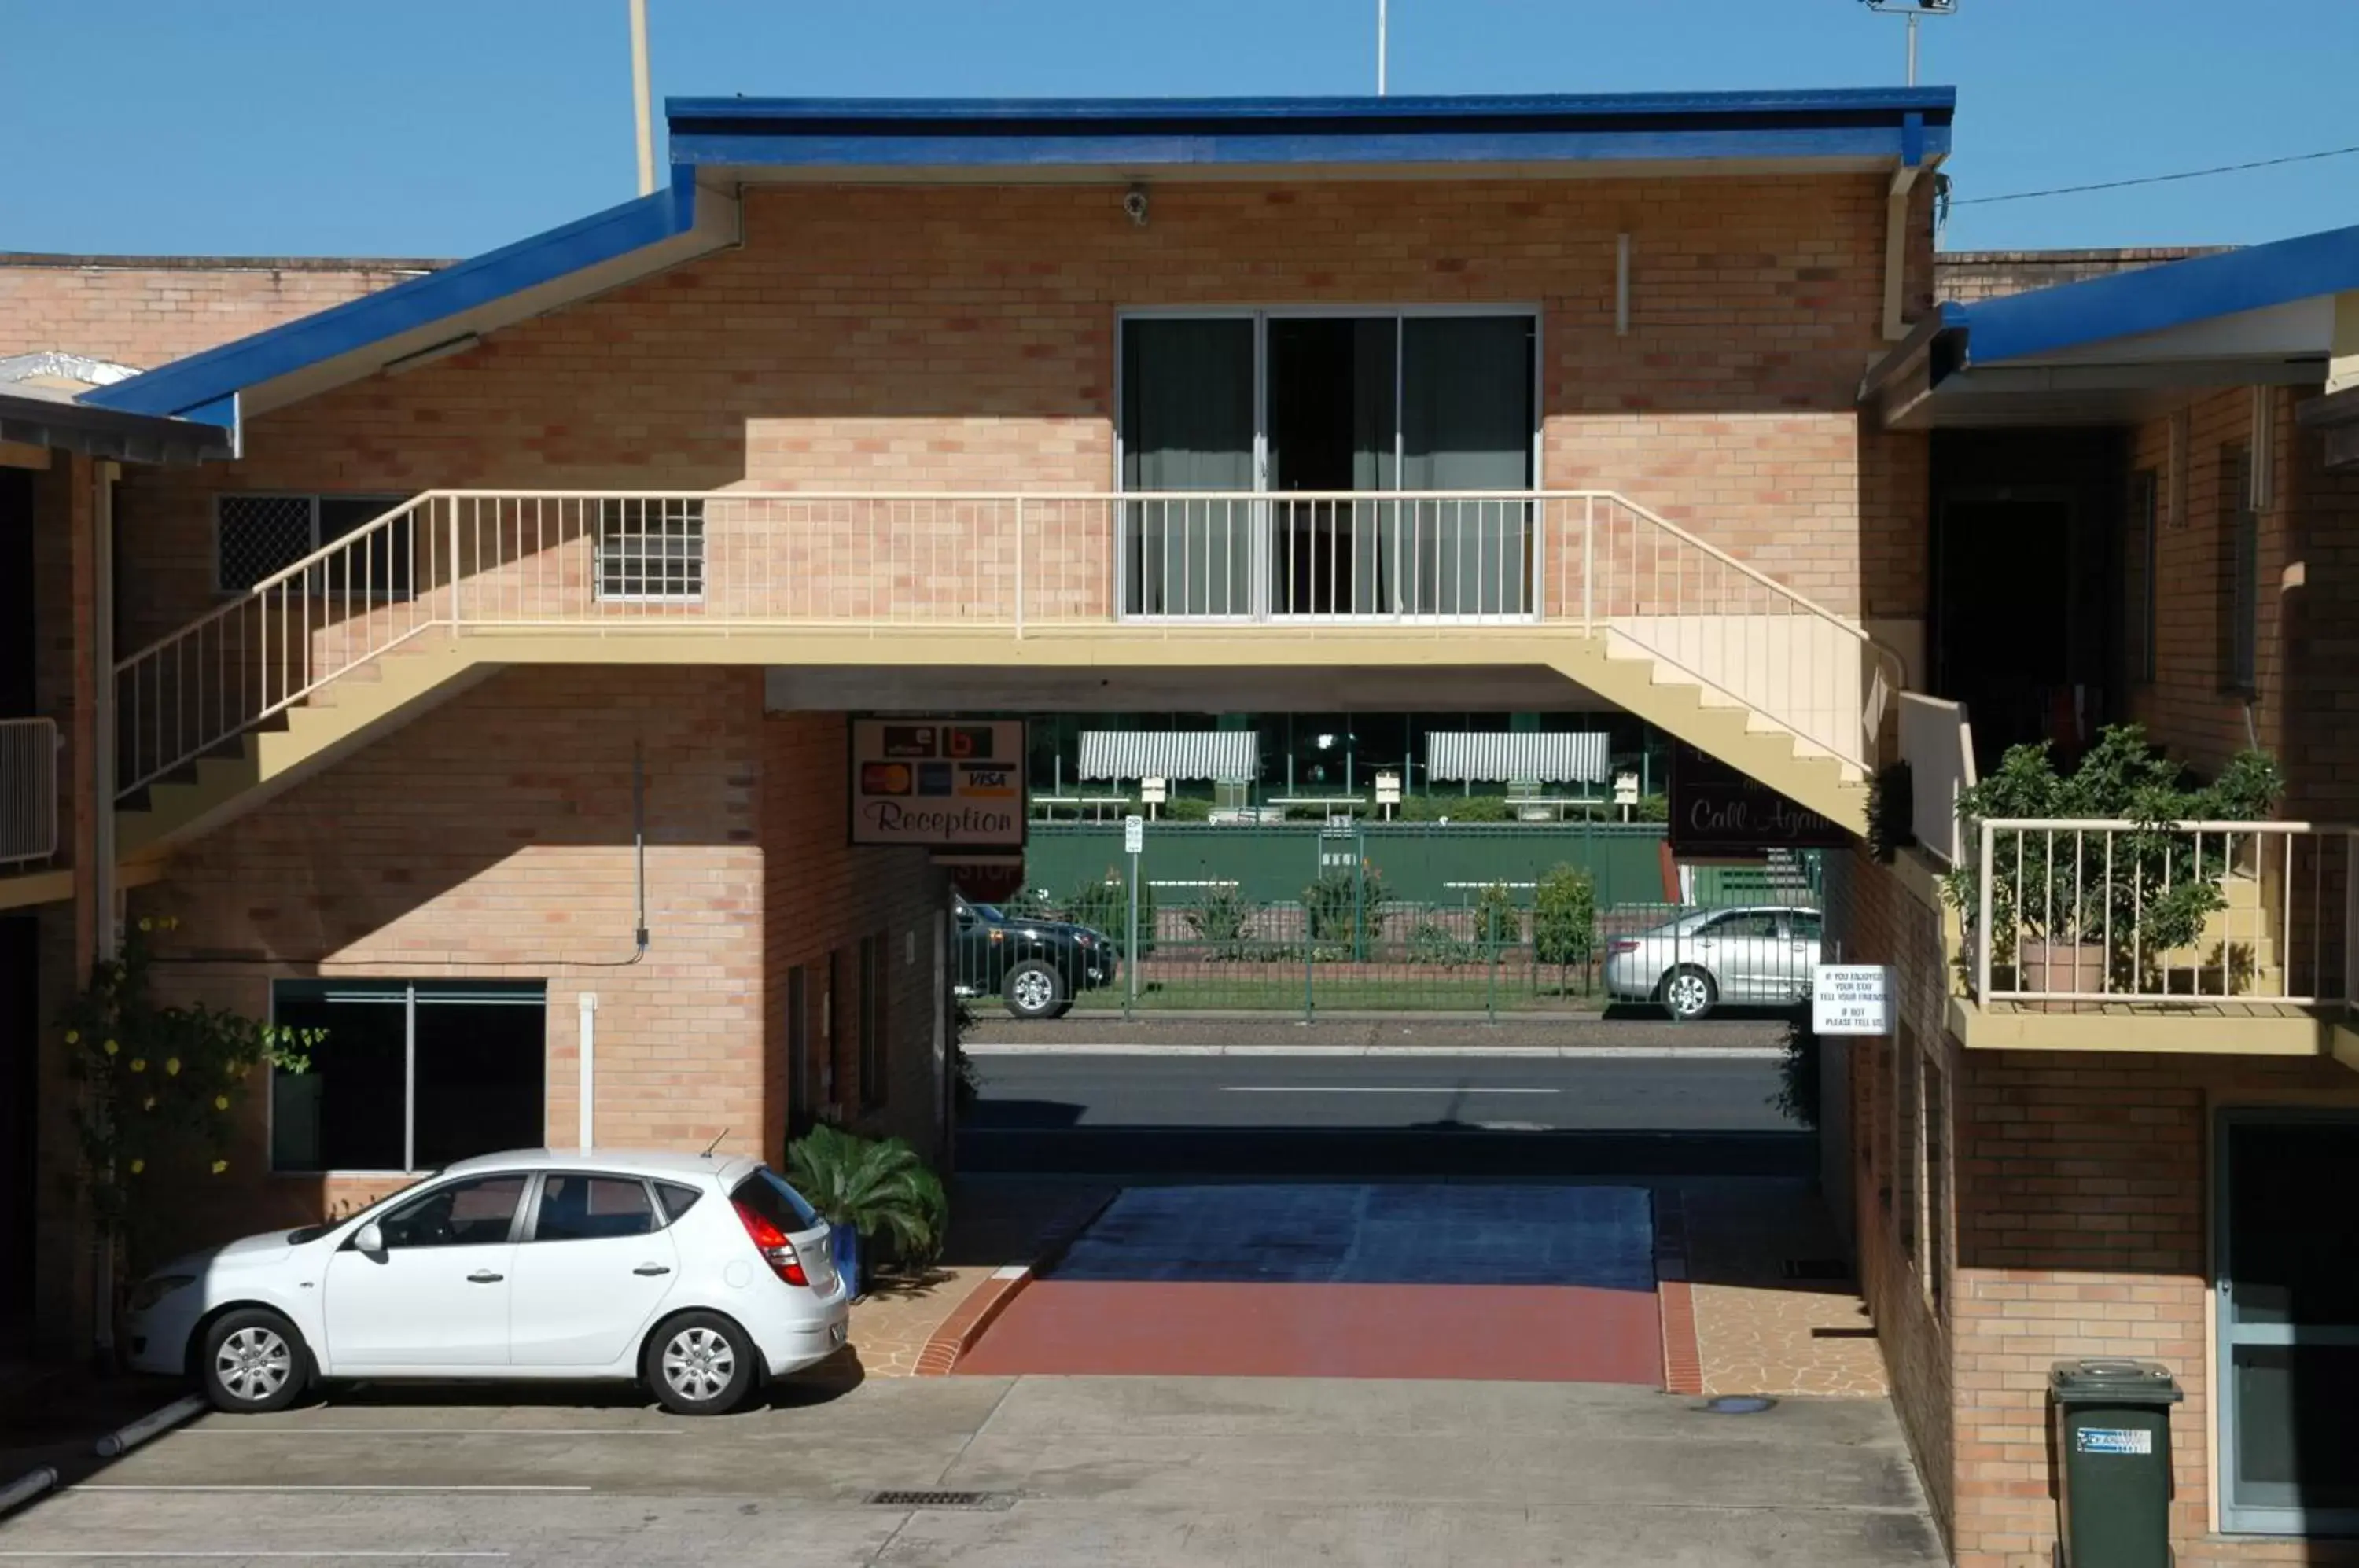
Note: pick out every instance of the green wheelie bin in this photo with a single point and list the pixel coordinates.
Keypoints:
(2112, 1458)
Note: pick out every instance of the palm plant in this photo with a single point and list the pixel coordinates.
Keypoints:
(872, 1186)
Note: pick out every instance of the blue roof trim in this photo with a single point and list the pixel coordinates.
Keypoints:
(207, 378)
(1907, 123)
(2157, 298)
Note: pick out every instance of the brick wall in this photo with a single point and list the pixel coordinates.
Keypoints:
(949, 338)
(822, 896)
(1966, 276)
(145, 311)
(491, 839)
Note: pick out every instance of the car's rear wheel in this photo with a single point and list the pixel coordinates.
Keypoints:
(700, 1364)
(1689, 992)
(1034, 990)
(253, 1362)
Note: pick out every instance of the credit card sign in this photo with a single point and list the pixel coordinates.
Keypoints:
(938, 784)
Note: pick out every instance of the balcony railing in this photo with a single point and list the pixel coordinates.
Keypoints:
(28, 792)
(1020, 565)
(2078, 914)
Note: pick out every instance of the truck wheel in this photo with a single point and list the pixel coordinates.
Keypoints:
(1035, 991)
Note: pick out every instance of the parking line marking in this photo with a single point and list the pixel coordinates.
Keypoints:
(1373, 1089)
(252, 1556)
(130, 1486)
(245, 1430)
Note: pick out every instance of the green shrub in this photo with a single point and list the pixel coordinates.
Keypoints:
(876, 1186)
(1434, 943)
(1345, 907)
(1434, 807)
(1221, 922)
(1496, 918)
(1797, 1075)
(1104, 906)
(1187, 809)
(1564, 917)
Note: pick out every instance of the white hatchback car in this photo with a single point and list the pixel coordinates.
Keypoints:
(698, 1275)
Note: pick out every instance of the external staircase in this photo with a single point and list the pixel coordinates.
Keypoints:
(404, 614)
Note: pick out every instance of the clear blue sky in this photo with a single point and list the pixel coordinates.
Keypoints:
(444, 127)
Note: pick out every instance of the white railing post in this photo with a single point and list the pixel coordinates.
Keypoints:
(1019, 569)
(1589, 565)
(1983, 936)
(452, 536)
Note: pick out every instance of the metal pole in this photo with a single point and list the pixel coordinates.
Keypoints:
(642, 104)
(1130, 965)
(1381, 29)
(1912, 48)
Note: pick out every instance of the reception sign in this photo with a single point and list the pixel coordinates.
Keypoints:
(939, 783)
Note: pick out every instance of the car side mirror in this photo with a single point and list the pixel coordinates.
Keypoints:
(369, 1239)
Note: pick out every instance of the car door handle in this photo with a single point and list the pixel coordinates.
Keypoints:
(651, 1269)
(484, 1277)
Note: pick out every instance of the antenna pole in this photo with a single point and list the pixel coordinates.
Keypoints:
(641, 107)
(1912, 47)
(1381, 41)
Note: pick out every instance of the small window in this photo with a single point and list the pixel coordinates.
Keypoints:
(259, 537)
(2138, 587)
(875, 1067)
(677, 1199)
(765, 1192)
(651, 550)
(475, 1213)
(1743, 923)
(2240, 573)
(593, 1208)
(1805, 924)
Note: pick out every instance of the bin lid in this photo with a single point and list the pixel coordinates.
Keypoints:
(2109, 1381)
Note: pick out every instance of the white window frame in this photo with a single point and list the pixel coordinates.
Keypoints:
(1261, 315)
(692, 511)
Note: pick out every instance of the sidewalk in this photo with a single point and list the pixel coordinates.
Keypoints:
(1267, 1033)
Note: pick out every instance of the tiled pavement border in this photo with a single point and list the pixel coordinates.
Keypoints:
(983, 1306)
(1682, 1356)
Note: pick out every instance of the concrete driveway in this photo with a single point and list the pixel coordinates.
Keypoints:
(1141, 1472)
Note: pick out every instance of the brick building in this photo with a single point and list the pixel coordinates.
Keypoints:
(1439, 399)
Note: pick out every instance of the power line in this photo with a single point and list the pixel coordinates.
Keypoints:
(2156, 178)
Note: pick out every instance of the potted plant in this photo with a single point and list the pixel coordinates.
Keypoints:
(875, 1187)
(2069, 915)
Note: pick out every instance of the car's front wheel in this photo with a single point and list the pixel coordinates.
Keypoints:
(1689, 992)
(1034, 990)
(700, 1364)
(253, 1362)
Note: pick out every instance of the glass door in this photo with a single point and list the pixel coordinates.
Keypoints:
(2287, 1247)
(1307, 412)
(1190, 422)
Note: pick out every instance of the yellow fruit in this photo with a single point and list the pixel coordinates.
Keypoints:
(140, 1064)
(147, 924)
(138, 1165)
(111, 1048)
(220, 1166)
(172, 1066)
(220, 1102)
(73, 1037)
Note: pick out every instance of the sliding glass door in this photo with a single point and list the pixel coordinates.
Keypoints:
(1306, 415)
(2287, 1249)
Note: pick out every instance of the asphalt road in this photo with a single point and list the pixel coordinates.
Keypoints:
(1243, 1113)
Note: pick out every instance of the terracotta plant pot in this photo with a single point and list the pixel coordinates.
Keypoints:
(2048, 967)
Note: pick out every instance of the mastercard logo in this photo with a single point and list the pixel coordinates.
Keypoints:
(886, 778)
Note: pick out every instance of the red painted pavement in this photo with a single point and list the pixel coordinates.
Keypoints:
(1142, 1328)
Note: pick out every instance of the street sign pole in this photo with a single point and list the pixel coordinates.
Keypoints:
(1133, 841)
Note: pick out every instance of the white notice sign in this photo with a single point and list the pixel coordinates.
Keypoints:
(1851, 998)
(1133, 835)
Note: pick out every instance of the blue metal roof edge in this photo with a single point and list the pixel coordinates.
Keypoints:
(2155, 299)
(1894, 100)
(1909, 124)
(208, 379)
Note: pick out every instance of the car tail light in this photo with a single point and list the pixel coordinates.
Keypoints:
(776, 1249)
(1624, 946)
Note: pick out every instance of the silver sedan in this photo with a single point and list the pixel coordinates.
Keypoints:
(1761, 955)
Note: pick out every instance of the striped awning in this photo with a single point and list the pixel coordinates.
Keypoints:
(1485, 756)
(1225, 757)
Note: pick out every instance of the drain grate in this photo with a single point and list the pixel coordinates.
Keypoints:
(1817, 1268)
(907, 1499)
